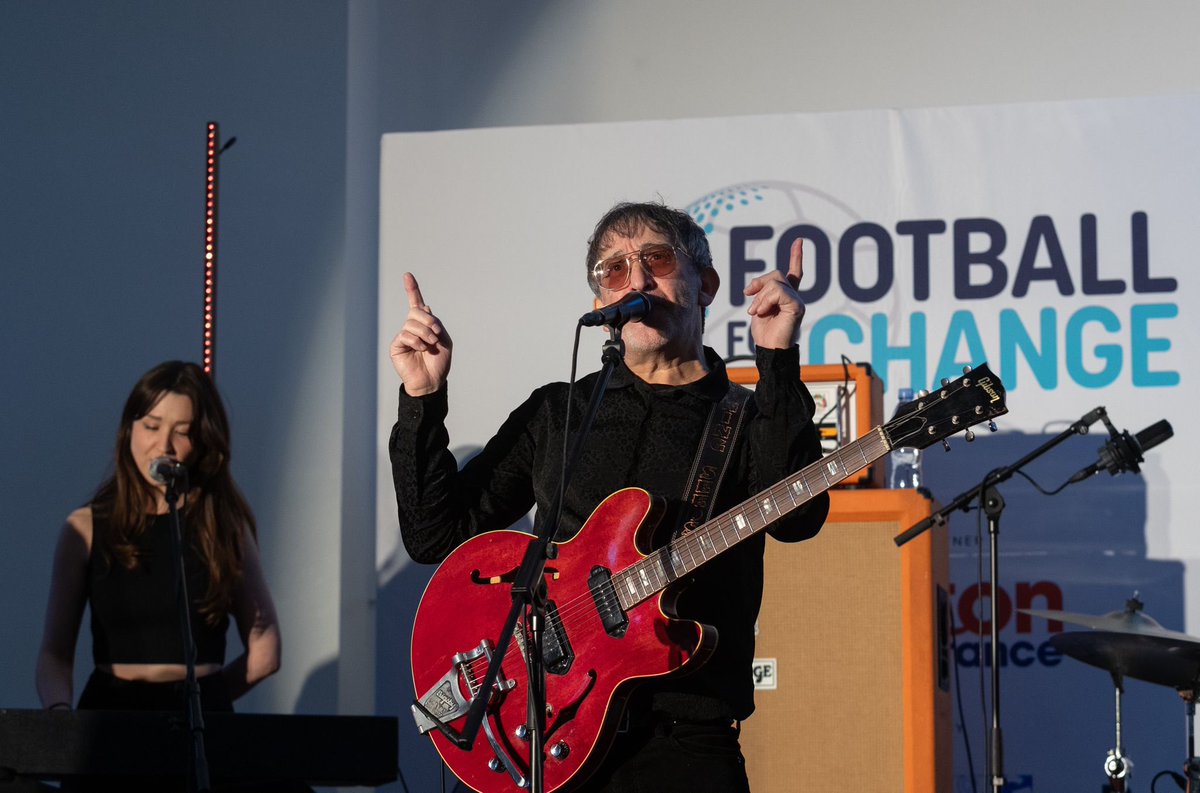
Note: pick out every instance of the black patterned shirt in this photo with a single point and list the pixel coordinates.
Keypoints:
(644, 436)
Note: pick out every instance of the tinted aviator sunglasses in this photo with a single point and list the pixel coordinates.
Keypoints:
(657, 260)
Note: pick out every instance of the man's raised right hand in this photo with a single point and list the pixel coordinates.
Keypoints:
(421, 350)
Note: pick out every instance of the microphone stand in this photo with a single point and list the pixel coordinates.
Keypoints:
(528, 594)
(992, 504)
(198, 781)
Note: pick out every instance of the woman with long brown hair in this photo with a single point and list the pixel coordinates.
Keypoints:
(117, 555)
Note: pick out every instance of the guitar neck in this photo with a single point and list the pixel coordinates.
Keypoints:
(709, 540)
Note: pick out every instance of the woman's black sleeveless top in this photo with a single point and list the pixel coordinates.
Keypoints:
(135, 613)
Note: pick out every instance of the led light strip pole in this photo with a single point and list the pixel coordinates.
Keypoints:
(213, 150)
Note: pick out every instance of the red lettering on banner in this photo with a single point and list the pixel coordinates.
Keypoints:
(973, 609)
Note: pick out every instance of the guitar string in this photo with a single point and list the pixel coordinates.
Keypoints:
(653, 570)
(658, 563)
(569, 614)
(703, 543)
(722, 526)
(584, 604)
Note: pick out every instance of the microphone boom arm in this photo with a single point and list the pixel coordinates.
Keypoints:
(963, 500)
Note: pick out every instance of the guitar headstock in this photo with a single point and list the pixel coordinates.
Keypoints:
(976, 397)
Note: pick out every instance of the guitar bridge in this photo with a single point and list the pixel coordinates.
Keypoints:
(445, 699)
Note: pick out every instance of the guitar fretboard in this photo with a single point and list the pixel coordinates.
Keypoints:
(685, 553)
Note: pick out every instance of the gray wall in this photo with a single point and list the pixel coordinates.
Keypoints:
(102, 112)
(102, 167)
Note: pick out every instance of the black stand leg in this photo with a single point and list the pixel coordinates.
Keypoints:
(198, 781)
(528, 594)
(1116, 765)
(1191, 768)
(993, 507)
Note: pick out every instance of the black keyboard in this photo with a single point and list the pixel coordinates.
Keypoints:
(241, 747)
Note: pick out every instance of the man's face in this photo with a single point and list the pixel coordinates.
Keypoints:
(674, 326)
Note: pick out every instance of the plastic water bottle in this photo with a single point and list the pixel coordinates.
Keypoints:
(906, 460)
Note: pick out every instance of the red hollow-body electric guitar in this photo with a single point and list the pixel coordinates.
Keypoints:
(610, 621)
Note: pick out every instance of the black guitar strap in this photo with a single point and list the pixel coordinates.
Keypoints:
(712, 458)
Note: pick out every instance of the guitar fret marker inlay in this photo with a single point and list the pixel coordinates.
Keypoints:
(740, 521)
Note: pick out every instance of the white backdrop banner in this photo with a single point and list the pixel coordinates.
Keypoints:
(1054, 241)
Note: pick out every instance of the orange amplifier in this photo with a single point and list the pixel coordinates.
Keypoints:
(849, 400)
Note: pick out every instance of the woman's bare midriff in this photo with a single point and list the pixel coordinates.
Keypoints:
(156, 673)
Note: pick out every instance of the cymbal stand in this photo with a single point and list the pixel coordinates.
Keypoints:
(1191, 768)
(1116, 765)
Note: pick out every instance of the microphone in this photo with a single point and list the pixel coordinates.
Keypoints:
(1123, 452)
(634, 307)
(167, 470)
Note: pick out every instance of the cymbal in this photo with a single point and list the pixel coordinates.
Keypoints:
(1129, 643)
(1125, 621)
(1156, 659)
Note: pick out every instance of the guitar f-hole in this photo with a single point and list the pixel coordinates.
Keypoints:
(478, 577)
(567, 714)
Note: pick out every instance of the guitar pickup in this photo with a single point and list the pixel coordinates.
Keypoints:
(612, 616)
(556, 648)
(557, 655)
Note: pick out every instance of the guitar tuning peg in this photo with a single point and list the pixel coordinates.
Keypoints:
(992, 425)
(922, 393)
(945, 381)
(967, 369)
(945, 444)
(969, 435)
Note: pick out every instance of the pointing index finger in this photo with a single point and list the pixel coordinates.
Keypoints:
(796, 263)
(415, 300)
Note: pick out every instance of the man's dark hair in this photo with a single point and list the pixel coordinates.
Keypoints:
(626, 219)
